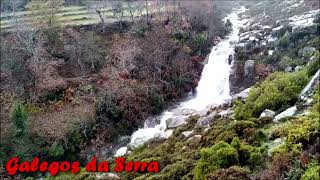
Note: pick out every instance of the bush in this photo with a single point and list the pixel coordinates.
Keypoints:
(296, 171)
(221, 155)
(56, 150)
(314, 65)
(177, 170)
(287, 61)
(277, 91)
(312, 172)
(200, 40)
(157, 102)
(287, 148)
(284, 41)
(233, 172)
(19, 116)
(54, 96)
(304, 129)
(240, 126)
(141, 29)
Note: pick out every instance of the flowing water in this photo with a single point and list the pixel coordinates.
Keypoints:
(213, 88)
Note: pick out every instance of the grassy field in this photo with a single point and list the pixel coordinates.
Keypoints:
(71, 15)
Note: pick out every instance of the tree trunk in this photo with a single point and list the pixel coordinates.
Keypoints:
(147, 12)
(100, 15)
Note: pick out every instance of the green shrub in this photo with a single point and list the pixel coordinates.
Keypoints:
(284, 40)
(296, 171)
(312, 172)
(248, 155)
(180, 37)
(304, 129)
(287, 61)
(255, 159)
(236, 143)
(233, 172)
(177, 170)
(314, 65)
(293, 149)
(56, 150)
(226, 136)
(277, 91)
(141, 29)
(54, 96)
(221, 155)
(19, 116)
(157, 102)
(240, 126)
(200, 40)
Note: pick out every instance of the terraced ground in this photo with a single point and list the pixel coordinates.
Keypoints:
(70, 15)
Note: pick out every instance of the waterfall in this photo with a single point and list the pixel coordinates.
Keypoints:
(213, 89)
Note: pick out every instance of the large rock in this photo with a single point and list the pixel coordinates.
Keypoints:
(298, 68)
(287, 113)
(307, 52)
(288, 69)
(107, 176)
(176, 121)
(168, 133)
(206, 120)
(194, 139)
(267, 113)
(187, 133)
(151, 122)
(249, 68)
(242, 95)
(121, 151)
(226, 113)
(179, 111)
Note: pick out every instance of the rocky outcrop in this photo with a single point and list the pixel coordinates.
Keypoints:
(206, 120)
(307, 52)
(267, 113)
(241, 95)
(107, 176)
(151, 122)
(194, 139)
(176, 122)
(287, 113)
(241, 76)
(249, 69)
(187, 133)
(288, 69)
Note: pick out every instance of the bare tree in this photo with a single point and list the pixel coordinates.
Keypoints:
(99, 7)
(130, 7)
(147, 10)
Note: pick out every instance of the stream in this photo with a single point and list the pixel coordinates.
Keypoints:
(213, 89)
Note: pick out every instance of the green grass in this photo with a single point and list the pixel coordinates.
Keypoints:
(71, 15)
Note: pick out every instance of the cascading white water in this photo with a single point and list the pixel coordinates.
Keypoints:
(213, 88)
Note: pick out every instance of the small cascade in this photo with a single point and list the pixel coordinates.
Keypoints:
(213, 89)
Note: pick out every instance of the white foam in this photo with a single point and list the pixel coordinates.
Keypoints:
(213, 87)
